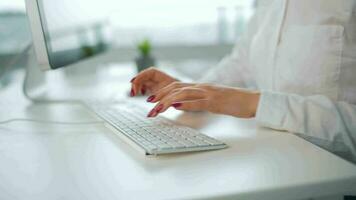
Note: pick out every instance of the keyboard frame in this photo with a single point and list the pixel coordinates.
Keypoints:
(122, 135)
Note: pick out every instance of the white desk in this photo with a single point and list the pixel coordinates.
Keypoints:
(40, 161)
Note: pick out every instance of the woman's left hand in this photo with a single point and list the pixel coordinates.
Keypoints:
(205, 97)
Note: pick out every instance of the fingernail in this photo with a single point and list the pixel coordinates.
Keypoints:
(132, 80)
(177, 105)
(132, 93)
(143, 91)
(159, 108)
(151, 113)
(150, 98)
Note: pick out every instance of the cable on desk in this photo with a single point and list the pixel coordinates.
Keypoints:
(49, 121)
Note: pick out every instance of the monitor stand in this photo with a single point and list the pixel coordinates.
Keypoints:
(73, 84)
(35, 87)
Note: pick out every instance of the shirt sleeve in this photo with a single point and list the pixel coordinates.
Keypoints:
(326, 123)
(234, 69)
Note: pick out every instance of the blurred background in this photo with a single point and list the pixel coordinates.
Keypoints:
(191, 36)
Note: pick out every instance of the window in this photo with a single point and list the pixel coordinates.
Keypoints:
(189, 35)
(179, 22)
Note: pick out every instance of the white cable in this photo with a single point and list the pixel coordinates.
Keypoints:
(49, 121)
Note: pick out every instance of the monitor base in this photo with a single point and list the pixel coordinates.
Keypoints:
(76, 83)
(34, 85)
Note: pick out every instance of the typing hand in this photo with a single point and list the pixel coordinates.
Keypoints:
(205, 97)
(150, 80)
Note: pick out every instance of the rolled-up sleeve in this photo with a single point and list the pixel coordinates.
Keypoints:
(329, 124)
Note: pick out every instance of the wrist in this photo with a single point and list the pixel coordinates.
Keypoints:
(243, 103)
(254, 101)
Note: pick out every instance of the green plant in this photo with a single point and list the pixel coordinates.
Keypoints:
(145, 47)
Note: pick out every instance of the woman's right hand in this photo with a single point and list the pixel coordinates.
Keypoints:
(150, 80)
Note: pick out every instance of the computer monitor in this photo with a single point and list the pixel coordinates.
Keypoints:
(66, 31)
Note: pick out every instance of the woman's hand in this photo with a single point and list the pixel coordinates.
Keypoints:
(205, 97)
(150, 80)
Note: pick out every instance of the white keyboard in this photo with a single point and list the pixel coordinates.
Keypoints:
(153, 136)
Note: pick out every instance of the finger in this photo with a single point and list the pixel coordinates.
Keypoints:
(149, 86)
(182, 95)
(165, 91)
(171, 88)
(192, 105)
(155, 110)
(143, 90)
(141, 78)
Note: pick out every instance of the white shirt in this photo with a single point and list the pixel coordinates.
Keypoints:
(301, 55)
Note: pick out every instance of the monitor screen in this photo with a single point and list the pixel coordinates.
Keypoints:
(73, 30)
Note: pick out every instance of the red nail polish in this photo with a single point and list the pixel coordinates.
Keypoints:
(151, 113)
(132, 80)
(159, 108)
(143, 91)
(151, 98)
(132, 93)
(177, 105)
